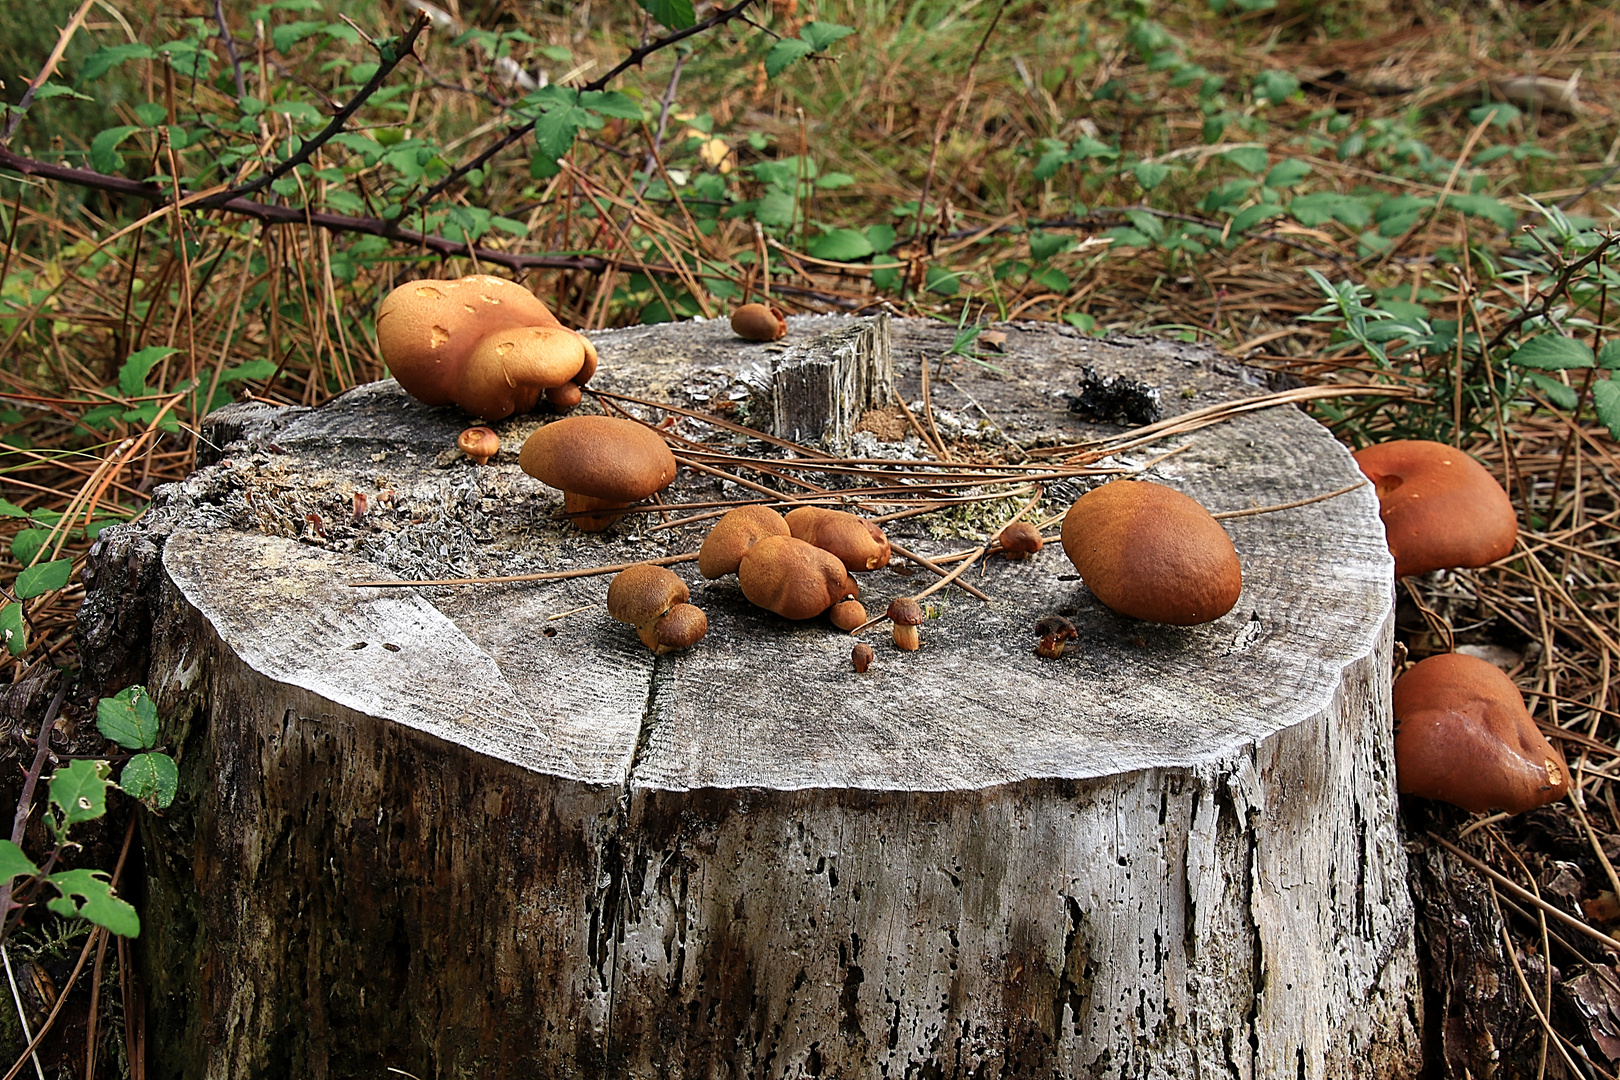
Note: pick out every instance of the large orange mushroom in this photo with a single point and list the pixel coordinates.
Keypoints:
(1463, 736)
(1441, 508)
(483, 343)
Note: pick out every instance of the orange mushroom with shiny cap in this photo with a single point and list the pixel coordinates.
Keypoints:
(732, 536)
(792, 578)
(600, 463)
(483, 343)
(1463, 736)
(1441, 508)
(1020, 540)
(1151, 553)
(857, 543)
(654, 601)
(759, 322)
(906, 615)
(479, 443)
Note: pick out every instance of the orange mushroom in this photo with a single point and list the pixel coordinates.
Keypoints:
(1441, 508)
(483, 343)
(1463, 736)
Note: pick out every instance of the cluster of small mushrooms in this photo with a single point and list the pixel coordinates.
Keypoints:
(1463, 734)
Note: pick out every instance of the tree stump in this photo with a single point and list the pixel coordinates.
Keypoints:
(481, 831)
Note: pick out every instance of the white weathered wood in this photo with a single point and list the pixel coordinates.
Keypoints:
(819, 386)
(1172, 853)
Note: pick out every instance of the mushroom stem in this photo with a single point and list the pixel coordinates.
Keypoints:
(585, 512)
(907, 637)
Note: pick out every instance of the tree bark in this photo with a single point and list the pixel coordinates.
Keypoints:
(483, 832)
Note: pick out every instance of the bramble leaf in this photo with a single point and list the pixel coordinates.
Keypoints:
(13, 863)
(675, 14)
(44, 578)
(129, 718)
(1552, 352)
(79, 791)
(785, 53)
(97, 902)
(1606, 400)
(841, 245)
(132, 376)
(152, 778)
(13, 631)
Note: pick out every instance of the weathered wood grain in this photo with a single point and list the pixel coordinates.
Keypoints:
(520, 845)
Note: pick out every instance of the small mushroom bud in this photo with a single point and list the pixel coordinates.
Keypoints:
(479, 443)
(359, 506)
(681, 627)
(847, 614)
(907, 615)
(759, 322)
(1053, 631)
(1020, 540)
(861, 656)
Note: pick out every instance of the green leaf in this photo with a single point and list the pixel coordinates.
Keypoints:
(942, 281)
(1150, 174)
(1552, 352)
(675, 14)
(1501, 113)
(1275, 86)
(1052, 279)
(98, 904)
(1149, 225)
(104, 155)
(252, 369)
(1047, 165)
(611, 103)
(775, 208)
(151, 778)
(1253, 215)
(1327, 205)
(833, 180)
(79, 791)
(554, 132)
(13, 863)
(1251, 159)
(1483, 206)
(51, 90)
(129, 718)
(1560, 395)
(285, 36)
(785, 53)
(11, 509)
(820, 35)
(841, 245)
(1608, 357)
(1044, 245)
(13, 631)
(44, 578)
(132, 376)
(108, 57)
(26, 544)
(1285, 174)
(881, 237)
(1606, 399)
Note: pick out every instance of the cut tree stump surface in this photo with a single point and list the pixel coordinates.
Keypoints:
(493, 835)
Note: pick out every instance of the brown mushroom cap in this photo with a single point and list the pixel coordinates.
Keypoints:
(848, 614)
(1463, 736)
(681, 627)
(1020, 540)
(1441, 508)
(1152, 553)
(792, 578)
(732, 536)
(759, 322)
(640, 594)
(479, 443)
(858, 544)
(861, 656)
(603, 458)
(481, 342)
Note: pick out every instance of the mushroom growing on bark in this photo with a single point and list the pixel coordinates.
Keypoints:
(907, 615)
(1152, 553)
(479, 443)
(1020, 540)
(732, 536)
(483, 343)
(861, 657)
(792, 578)
(600, 463)
(653, 600)
(856, 542)
(759, 322)
(1441, 508)
(1463, 736)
